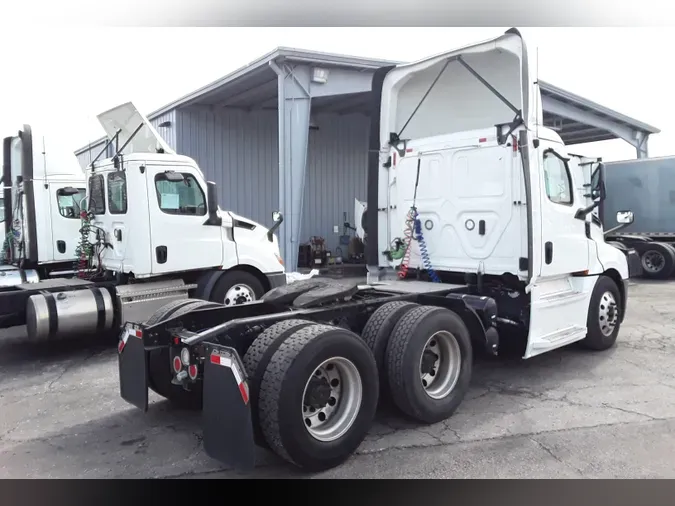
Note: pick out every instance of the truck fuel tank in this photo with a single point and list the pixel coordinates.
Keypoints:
(64, 314)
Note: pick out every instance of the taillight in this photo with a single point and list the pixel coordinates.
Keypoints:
(177, 366)
(192, 371)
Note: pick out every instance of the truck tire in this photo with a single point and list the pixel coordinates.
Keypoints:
(165, 312)
(658, 260)
(318, 397)
(377, 332)
(429, 363)
(237, 287)
(256, 360)
(159, 363)
(604, 315)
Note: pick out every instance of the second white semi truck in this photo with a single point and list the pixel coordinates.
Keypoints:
(85, 252)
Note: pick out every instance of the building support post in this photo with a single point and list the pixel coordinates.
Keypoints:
(642, 147)
(293, 115)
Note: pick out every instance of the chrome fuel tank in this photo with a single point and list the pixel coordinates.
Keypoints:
(61, 315)
(13, 276)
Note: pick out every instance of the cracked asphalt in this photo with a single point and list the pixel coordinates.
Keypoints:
(567, 414)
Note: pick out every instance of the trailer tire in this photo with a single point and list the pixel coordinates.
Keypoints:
(658, 259)
(348, 380)
(237, 287)
(422, 334)
(256, 360)
(601, 335)
(159, 362)
(377, 332)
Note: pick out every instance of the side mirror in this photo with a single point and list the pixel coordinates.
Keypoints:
(278, 220)
(625, 217)
(598, 192)
(212, 203)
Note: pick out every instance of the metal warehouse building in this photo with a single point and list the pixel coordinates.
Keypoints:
(289, 132)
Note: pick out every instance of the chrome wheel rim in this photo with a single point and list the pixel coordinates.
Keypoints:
(239, 294)
(608, 313)
(653, 261)
(440, 364)
(331, 399)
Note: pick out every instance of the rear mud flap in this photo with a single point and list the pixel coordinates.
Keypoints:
(226, 412)
(133, 368)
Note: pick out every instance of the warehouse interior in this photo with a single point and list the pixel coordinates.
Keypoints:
(289, 132)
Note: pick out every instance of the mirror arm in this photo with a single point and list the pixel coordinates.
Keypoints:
(270, 232)
(583, 212)
(615, 229)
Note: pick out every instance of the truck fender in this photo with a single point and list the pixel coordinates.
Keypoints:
(207, 281)
(483, 334)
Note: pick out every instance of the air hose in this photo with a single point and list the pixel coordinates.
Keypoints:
(413, 231)
(426, 259)
(84, 250)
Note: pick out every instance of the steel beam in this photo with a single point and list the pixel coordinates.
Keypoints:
(553, 106)
(293, 114)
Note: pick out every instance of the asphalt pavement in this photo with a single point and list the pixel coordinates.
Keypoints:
(567, 414)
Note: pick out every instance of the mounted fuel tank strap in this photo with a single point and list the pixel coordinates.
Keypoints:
(51, 312)
(100, 308)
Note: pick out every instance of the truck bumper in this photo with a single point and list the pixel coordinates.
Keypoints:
(226, 411)
(634, 263)
(276, 280)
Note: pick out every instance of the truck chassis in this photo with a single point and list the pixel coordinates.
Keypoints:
(301, 371)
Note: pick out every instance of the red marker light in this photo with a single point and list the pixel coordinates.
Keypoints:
(177, 365)
(482, 139)
(192, 371)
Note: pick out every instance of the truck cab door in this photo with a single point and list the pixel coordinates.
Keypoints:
(564, 241)
(65, 219)
(180, 238)
(559, 300)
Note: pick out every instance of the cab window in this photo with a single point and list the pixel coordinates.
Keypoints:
(97, 194)
(557, 179)
(180, 197)
(69, 203)
(117, 192)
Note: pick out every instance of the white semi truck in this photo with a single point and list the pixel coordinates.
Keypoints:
(86, 251)
(482, 240)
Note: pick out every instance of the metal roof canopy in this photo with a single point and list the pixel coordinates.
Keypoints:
(256, 86)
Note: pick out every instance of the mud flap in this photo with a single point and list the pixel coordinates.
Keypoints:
(133, 367)
(226, 411)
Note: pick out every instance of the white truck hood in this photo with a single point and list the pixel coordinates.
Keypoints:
(127, 119)
(442, 95)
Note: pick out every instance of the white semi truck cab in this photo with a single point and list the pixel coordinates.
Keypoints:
(160, 215)
(480, 238)
(138, 230)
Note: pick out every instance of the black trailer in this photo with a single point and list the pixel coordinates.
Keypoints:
(647, 187)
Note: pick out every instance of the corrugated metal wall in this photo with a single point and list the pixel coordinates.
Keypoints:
(239, 151)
